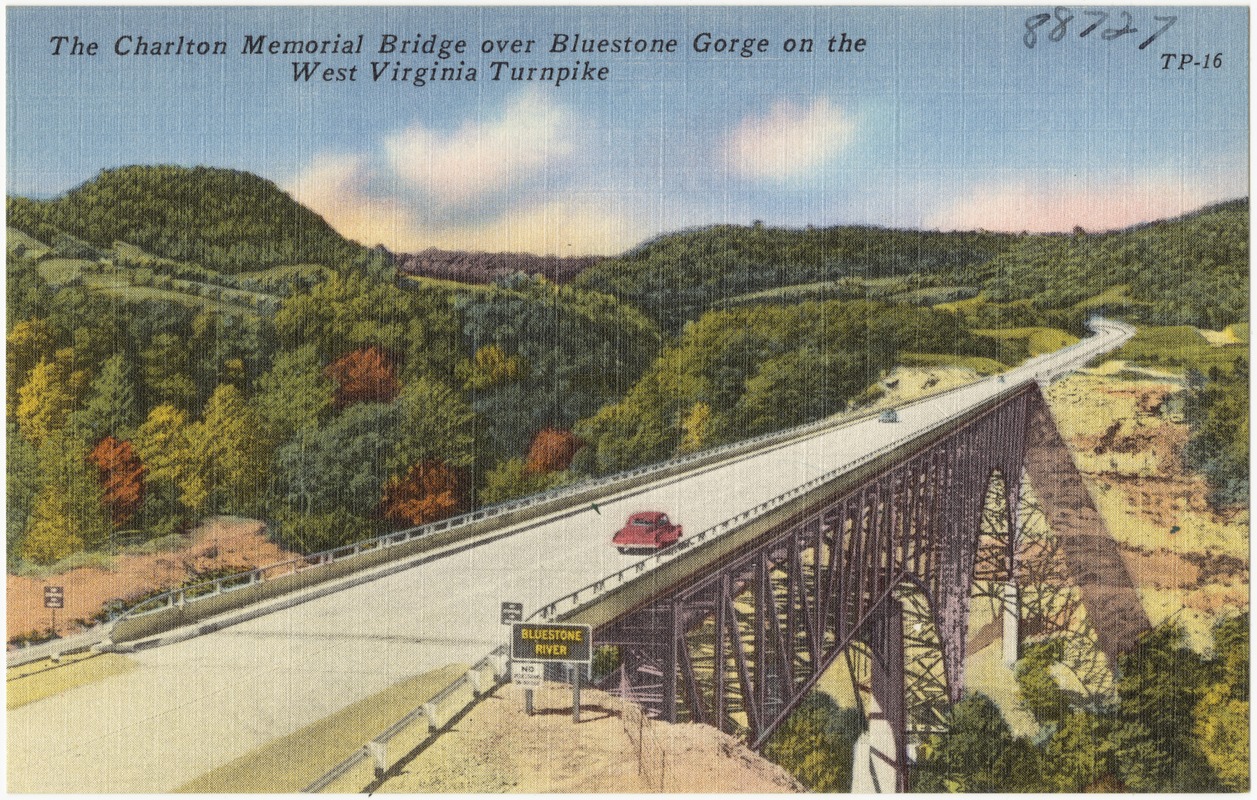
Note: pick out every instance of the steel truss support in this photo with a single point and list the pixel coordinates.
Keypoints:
(739, 645)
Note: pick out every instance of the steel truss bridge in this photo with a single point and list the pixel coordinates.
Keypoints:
(882, 562)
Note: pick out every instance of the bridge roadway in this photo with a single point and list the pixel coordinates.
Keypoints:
(192, 706)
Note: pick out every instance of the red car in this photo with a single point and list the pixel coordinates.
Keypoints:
(650, 529)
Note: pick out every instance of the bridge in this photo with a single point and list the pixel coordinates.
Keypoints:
(801, 549)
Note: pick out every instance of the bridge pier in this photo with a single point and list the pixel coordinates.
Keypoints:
(881, 754)
(1012, 623)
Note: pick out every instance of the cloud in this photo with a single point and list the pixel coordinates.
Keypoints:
(481, 157)
(335, 188)
(338, 189)
(1094, 205)
(791, 141)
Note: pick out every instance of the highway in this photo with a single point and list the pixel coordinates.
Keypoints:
(197, 704)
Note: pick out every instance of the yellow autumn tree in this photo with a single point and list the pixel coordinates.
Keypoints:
(696, 428)
(42, 403)
(29, 341)
(162, 445)
(229, 454)
(50, 536)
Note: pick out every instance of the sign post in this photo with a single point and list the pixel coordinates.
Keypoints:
(545, 642)
(512, 613)
(54, 598)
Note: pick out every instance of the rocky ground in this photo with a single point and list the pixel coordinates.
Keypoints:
(1127, 438)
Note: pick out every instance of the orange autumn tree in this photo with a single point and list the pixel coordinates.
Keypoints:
(431, 490)
(552, 450)
(362, 376)
(121, 478)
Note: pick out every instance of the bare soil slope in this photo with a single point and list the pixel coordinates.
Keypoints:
(1186, 558)
(497, 747)
(219, 545)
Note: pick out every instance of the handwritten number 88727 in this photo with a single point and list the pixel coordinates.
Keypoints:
(1063, 16)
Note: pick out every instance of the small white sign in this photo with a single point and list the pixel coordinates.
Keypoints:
(527, 674)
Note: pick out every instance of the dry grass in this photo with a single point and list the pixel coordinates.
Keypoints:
(39, 679)
(292, 762)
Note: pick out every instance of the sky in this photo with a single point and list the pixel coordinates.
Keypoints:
(945, 120)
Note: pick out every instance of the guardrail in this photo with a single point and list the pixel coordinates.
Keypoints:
(435, 712)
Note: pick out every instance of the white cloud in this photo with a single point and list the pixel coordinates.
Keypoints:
(484, 156)
(336, 188)
(1094, 205)
(791, 141)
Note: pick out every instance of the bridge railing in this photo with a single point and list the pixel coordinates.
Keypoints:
(177, 598)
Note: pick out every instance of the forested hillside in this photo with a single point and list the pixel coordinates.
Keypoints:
(1187, 271)
(221, 219)
(678, 276)
(189, 342)
(185, 342)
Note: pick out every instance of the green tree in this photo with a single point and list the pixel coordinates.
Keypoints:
(336, 474)
(436, 424)
(1080, 755)
(68, 513)
(22, 485)
(51, 535)
(111, 407)
(1160, 683)
(510, 479)
(294, 394)
(816, 743)
(164, 448)
(1040, 693)
(229, 455)
(977, 754)
(166, 366)
(1222, 713)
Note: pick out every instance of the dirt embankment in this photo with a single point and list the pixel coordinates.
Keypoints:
(497, 748)
(1184, 555)
(219, 546)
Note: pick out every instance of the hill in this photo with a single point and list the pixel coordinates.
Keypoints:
(680, 275)
(221, 219)
(1192, 270)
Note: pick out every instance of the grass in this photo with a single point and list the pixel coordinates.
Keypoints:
(34, 247)
(934, 296)
(292, 762)
(60, 271)
(1038, 340)
(40, 679)
(979, 364)
(137, 294)
(1179, 347)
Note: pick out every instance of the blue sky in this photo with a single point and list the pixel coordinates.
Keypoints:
(946, 120)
